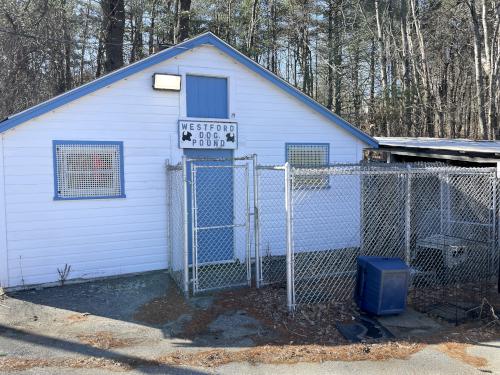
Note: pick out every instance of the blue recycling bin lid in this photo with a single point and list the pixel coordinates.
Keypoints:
(382, 286)
(383, 263)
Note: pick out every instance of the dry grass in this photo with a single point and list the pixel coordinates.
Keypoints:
(163, 309)
(77, 318)
(289, 354)
(310, 324)
(286, 354)
(458, 351)
(266, 354)
(106, 340)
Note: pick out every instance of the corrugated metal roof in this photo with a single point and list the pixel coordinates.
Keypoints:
(460, 145)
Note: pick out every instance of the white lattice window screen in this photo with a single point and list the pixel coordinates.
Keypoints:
(88, 170)
(308, 155)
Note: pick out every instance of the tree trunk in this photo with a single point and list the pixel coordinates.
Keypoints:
(384, 128)
(114, 27)
(68, 78)
(100, 56)
(183, 18)
(337, 57)
(371, 100)
(329, 88)
(406, 81)
(137, 51)
(251, 28)
(84, 42)
(274, 21)
(229, 20)
(479, 79)
(427, 97)
(151, 33)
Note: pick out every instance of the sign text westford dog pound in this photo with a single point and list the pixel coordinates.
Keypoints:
(208, 134)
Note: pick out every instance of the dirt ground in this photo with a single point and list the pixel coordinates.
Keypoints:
(143, 321)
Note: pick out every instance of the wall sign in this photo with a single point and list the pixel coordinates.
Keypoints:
(208, 134)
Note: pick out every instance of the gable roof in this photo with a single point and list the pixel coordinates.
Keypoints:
(206, 38)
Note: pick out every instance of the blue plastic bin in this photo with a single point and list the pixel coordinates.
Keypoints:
(381, 285)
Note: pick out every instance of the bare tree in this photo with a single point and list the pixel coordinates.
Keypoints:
(391, 67)
(114, 28)
(183, 17)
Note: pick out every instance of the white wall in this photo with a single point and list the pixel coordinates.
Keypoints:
(113, 236)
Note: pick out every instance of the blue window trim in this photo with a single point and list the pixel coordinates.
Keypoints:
(56, 143)
(206, 38)
(288, 144)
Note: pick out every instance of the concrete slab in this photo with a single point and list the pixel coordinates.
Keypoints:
(410, 323)
(490, 351)
(236, 325)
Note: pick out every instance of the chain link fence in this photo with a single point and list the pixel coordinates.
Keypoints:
(272, 225)
(440, 220)
(311, 224)
(221, 226)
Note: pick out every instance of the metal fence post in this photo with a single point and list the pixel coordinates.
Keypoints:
(170, 255)
(194, 229)
(247, 229)
(186, 226)
(289, 239)
(256, 224)
(494, 233)
(408, 217)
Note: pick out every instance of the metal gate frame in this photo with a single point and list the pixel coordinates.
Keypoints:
(188, 283)
(221, 266)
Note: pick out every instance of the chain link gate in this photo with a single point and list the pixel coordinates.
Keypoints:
(220, 226)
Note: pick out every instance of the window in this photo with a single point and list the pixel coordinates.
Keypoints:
(309, 155)
(206, 97)
(85, 170)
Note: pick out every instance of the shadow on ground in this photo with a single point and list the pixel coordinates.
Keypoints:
(89, 356)
(143, 322)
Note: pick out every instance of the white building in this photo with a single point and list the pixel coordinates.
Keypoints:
(83, 174)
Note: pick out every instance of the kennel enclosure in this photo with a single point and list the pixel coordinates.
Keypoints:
(441, 220)
(306, 227)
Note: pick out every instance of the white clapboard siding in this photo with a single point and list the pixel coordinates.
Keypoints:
(114, 236)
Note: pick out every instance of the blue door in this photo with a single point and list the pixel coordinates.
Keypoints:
(214, 206)
(206, 97)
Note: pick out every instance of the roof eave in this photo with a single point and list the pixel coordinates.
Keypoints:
(206, 38)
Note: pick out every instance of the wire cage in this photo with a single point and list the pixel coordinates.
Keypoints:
(236, 222)
(440, 220)
(209, 223)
